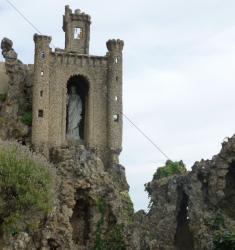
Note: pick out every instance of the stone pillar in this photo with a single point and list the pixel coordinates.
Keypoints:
(40, 126)
(114, 99)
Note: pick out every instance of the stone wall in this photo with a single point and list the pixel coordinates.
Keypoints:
(94, 69)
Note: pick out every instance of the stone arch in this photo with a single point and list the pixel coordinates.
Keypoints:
(82, 85)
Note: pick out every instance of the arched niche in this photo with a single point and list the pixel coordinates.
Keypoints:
(77, 105)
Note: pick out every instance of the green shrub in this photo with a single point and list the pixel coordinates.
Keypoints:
(27, 118)
(223, 238)
(99, 242)
(26, 188)
(217, 222)
(112, 239)
(171, 168)
(3, 97)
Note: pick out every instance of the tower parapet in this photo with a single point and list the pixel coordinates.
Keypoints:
(77, 31)
(114, 100)
(114, 45)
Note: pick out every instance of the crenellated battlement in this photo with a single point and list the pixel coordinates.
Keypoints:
(115, 45)
(63, 58)
(38, 38)
(76, 15)
(81, 16)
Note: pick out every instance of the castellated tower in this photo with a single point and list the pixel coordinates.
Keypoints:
(77, 31)
(77, 97)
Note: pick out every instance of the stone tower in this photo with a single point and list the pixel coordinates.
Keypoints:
(73, 87)
(41, 92)
(77, 31)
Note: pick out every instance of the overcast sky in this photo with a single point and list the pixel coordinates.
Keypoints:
(179, 72)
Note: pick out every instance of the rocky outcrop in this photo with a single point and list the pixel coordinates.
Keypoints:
(19, 88)
(91, 209)
(16, 107)
(193, 211)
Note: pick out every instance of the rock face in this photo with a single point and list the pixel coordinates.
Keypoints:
(16, 107)
(91, 206)
(186, 209)
(19, 88)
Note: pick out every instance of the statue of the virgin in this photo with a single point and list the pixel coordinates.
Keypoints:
(74, 114)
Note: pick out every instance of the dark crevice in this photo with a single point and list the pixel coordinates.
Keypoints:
(183, 236)
(80, 222)
(52, 244)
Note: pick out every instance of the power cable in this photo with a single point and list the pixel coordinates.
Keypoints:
(141, 132)
(146, 136)
(25, 18)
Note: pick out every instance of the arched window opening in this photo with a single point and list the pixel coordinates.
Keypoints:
(43, 55)
(77, 102)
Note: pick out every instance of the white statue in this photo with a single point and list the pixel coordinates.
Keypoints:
(74, 114)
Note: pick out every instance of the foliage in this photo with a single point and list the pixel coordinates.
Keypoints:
(27, 118)
(170, 168)
(114, 238)
(3, 97)
(26, 188)
(128, 209)
(99, 243)
(223, 238)
(217, 222)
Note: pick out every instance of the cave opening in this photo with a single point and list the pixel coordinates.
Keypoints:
(52, 244)
(183, 236)
(80, 222)
(228, 202)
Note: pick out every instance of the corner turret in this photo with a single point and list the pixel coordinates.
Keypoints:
(114, 100)
(40, 127)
